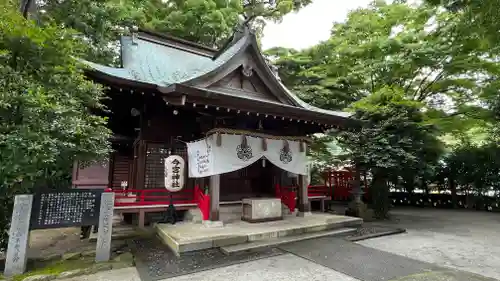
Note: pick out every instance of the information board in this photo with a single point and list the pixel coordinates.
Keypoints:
(78, 207)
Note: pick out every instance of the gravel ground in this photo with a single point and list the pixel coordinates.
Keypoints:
(156, 261)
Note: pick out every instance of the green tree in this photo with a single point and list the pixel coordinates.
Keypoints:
(480, 17)
(425, 51)
(45, 108)
(394, 138)
(208, 22)
(474, 170)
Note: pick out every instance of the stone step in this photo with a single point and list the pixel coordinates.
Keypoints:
(284, 240)
(122, 232)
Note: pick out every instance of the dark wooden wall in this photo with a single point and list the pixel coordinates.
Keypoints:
(163, 129)
(121, 166)
(93, 176)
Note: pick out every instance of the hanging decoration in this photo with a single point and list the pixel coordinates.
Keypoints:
(205, 158)
(244, 151)
(219, 139)
(264, 144)
(256, 134)
(285, 153)
(174, 173)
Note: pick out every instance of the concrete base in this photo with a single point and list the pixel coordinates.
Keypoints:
(304, 214)
(232, 249)
(262, 209)
(360, 210)
(186, 237)
(213, 224)
(193, 215)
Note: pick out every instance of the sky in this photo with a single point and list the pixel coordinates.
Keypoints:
(310, 25)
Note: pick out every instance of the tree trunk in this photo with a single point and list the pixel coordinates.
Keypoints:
(453, 188)
(380, 194)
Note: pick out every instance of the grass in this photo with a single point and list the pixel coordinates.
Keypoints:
(54, 267)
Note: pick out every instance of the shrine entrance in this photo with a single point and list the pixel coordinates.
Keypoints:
(247, 165)
(222, 119)
(263, 178)
(256, 180)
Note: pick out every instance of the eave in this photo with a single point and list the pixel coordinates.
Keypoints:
(181, 95)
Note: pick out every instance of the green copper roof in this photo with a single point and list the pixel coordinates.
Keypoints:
(161, 65)
(153, 62)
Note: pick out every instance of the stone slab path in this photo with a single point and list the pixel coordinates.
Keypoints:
(441, 245)
(355, 260)
(457, 239)
(369, 264)
(286, 267)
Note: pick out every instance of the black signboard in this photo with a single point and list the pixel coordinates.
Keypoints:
(78, 207)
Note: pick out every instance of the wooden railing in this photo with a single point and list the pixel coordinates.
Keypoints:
(203, 202)
(161, 197)
(151, 197)
(319, 190)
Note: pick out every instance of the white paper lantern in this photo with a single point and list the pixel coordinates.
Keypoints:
(174, 173)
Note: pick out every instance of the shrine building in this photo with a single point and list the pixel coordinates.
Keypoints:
(202, 129)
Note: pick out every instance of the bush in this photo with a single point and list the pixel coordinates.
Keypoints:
(45, 108)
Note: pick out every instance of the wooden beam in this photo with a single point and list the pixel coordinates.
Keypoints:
(141, 165)
(214, 188)
(176, 100)
(304, 205)
(205, 96)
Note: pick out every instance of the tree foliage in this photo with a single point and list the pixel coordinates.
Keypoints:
(45, 103)
(480, 17)
(394, 140)
(208, 22)
(425, 51)
(475, 169)
(434, 70)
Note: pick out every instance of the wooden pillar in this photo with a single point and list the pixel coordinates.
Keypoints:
(141, 165)
(214, 188)
(304, 206)
(111, 165)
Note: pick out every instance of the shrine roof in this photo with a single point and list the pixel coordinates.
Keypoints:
(162, 62)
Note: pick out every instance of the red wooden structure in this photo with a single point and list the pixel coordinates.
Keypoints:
(288, 196)
(203, 202)
(340, 183)
(319, 190)
(337, 186)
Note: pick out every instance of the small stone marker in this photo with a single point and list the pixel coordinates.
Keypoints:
(103, 247)
(17, 249)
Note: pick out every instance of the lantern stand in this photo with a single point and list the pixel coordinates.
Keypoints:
(171, 214)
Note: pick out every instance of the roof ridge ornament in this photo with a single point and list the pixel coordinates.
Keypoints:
(247, 70)
(134, 30)
(245, 24)
(274, 68)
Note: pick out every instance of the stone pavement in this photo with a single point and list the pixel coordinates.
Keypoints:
(458, 239)
(323, 259)
(286, 267)
(440, 245)
(155, 261)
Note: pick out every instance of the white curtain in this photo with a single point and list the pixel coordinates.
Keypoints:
(235, 152)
